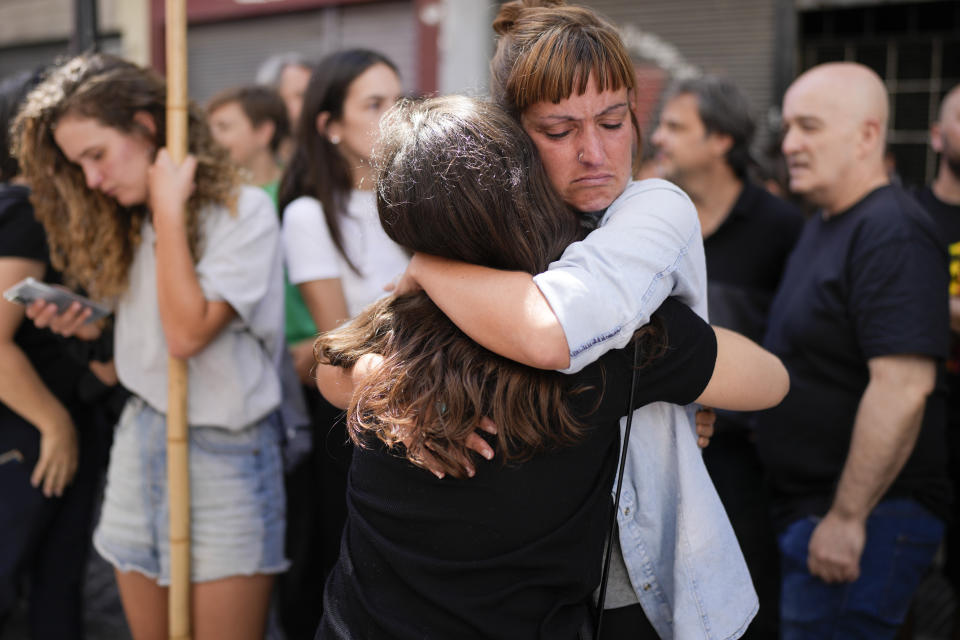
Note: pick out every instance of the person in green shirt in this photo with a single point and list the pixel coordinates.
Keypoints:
(251, 122)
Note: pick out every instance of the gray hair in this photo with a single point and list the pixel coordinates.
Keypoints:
(724, 110)
(268, 73)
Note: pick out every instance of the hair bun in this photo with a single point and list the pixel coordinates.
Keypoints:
(510, 12)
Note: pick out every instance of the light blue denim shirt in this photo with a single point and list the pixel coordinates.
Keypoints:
(680, 551)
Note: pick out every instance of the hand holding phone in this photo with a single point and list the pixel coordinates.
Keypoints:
(30, 290)
(62, 311)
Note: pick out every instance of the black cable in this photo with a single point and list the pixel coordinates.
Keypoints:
(604, 575)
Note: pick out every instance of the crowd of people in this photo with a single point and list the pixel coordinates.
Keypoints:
(429, 340)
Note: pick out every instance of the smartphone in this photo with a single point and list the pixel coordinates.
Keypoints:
(28, 290)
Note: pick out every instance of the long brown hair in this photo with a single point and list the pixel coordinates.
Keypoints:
(547, 51)
(457, 178)
(318, 168)
(92, 237)
(460, 179)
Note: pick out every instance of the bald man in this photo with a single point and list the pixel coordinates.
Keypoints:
(941, 199)
(856, 450)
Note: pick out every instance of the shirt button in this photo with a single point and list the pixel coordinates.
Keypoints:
(646, 587)
(626, 511)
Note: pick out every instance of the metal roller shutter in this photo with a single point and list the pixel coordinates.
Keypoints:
(228, 53)
(735, 38)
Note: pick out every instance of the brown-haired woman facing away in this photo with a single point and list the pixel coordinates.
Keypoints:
(191, 262)
(564, 73)
(515, 550)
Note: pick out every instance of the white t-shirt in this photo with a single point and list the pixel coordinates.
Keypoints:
(311, 254)
(233, 381)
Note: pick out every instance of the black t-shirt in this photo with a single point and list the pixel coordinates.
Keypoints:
(947, 217)
(746, 256)
(21, 236)
(869, 282)
(515, 551)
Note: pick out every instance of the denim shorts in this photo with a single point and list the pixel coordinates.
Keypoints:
(237, 507)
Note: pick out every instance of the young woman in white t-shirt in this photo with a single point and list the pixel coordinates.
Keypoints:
(339, 258)
(337, 254)
(191, 262)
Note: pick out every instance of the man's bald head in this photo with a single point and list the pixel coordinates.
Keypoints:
(854, 93)
(950, 105)
(945, 137)
(835, 122)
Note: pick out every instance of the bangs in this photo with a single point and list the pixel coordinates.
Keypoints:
(560, 65)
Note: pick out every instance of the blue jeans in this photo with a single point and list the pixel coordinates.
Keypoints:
(902, 538)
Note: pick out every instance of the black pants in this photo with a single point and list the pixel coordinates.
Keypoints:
(316, 512)
(738, 475)
(627, 623)
(44, 542)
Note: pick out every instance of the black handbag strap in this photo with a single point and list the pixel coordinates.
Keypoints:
(605, 574)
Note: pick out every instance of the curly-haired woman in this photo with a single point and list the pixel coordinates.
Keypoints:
(192, 265)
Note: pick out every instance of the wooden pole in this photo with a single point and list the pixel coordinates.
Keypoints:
(178, 469)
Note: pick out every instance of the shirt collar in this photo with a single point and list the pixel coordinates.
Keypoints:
(746, 203)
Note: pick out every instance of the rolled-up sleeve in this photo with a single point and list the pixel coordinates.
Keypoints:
(239, 253)
(648, 247)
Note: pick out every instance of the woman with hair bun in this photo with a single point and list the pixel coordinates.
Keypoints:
(515, 550)
(565, 75)
(190, 262)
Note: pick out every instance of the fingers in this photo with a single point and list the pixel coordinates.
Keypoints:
(52, 476)
(478, 444)
(705, 420)
(832, 571)
(52, 484)
(45, 316)
(57, 462)
(39, 472)
(432, 464)
(706, 417)
(463, 460)
(405, 284)
(41, 312)
(188, 168)
(835, 548)
(68, 322)
(488, 425)
(474, 442)
(704, 433)
(163, 158)
(172, 177)
(185, 169)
